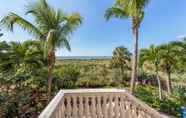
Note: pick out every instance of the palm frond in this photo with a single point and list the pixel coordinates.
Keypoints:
(115, 12)
(13, 19)
(72, 22)
(45, 16)
(64, 43)
(128, 8)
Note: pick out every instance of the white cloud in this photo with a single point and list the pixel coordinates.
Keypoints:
(181, 36)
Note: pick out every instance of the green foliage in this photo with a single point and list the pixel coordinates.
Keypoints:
(52, 27)
(168, 56)
(128, 9)
(24, 93)
(170, 105)
(23, 80)
(22, 72)
(121, 60)
(149, 95)
(93, 81)
(46, 19)
(152, 56)
(181, 94)
(66, 76)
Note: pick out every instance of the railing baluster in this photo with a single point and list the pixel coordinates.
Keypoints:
(110, 109)
(54, 114)
(74, 113)
(63, 110)
(121, 104)
(142, 114)
(134, 111)
(87, 110)
(69, 108)
(116, 108)
(128, 109)
(65, 107)
(93, 107)
(124, 106)
(99, 110)
(105, 107)
(59, 111)
(80, 107)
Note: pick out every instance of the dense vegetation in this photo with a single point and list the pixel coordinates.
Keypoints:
(52, 27)
(30, 74)
(23, 78)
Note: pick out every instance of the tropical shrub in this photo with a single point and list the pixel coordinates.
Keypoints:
(66, 77)
(170, 105)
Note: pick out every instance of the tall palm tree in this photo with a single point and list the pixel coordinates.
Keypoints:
(169, 58)
(53, 27)
(121, 58)
(152, 56)
(133, 9)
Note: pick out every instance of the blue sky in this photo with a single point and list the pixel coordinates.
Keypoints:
(165, 20)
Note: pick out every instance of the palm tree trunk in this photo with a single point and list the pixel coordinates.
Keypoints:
(49, 82)
(135, 61)
(169, 86)
(51, 62)
(159, 86)
(122, 71)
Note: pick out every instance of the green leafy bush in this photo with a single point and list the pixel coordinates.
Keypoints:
(66, 77)
(148, 94)
(170, 104)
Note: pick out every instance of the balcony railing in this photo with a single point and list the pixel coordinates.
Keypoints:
(179, 85)
(97, 103)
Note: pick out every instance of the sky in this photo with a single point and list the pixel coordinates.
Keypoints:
(165, 20)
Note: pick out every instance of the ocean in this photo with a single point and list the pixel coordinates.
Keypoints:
(83, 57)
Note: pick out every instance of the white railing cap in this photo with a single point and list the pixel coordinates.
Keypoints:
(92, 90)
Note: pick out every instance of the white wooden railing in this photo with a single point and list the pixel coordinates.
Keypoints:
(179, 85)
(97, 103)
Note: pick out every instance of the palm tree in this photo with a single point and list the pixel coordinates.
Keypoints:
(53, 27)
(152, 56)
(121, 58)
(169, 58)
(181, 47)
(16, 58)
(133, 9)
